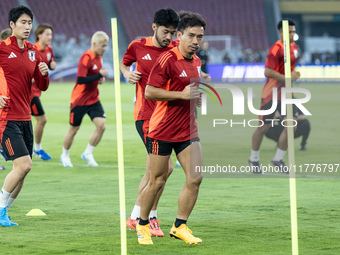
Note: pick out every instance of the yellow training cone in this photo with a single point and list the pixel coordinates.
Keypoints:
(36, 212)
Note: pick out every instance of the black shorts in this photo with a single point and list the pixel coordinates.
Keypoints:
(267, 119)
(163, 148)
(36, 107)
(142, 127)
(17, 139)
(77, 113)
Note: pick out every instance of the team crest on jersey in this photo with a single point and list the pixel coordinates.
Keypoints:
(296, 53)
(31, 55)
(49, 56)
(199, 71)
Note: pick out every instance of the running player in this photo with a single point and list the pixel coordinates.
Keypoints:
(145, 52)
(19, 64)
(274, 71)
(43, 37)
(85, 100)
(173, 126)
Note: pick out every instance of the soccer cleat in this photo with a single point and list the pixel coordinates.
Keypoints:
(66, 161)
(89, 158)
(281, 165)
(143, 233)
(13, 223)
(185, 234)
(2, 167)
(255, 166)
(4, 219)
(41, 154)
(131, 223)
(178, 164)
(155, 230)
(303, 147)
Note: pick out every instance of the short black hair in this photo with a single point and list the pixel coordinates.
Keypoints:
(290, 23)
(191, 19)
(166, 17)
(16, 12)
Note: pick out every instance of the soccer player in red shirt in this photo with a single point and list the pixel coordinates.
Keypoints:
(274, 71)
(173, 126)
(85, 100)
(145, 52)
(43, 37)
(19, 64)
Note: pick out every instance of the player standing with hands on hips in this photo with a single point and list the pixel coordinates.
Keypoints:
(19, 64)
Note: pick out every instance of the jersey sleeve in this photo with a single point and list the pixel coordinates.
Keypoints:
(41, 81)
(130, 55)
(161, 71)
(83, 65)
(273, 57)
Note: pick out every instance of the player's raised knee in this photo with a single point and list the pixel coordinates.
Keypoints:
(24, 167)
(157, 183)
(102, 127)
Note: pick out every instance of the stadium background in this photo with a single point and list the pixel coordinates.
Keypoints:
(248, 216)
(244, 30)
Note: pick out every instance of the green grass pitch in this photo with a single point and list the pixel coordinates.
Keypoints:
(232, 215)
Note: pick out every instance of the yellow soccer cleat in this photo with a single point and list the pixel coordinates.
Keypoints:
(143, 233)
(185, 234)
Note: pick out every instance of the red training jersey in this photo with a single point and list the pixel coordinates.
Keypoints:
(87, 94)
(46, 56)
(174, 121)
(275, 61)
(145, 54)
(17, 68)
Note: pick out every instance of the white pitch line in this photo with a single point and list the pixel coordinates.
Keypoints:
(59, 164)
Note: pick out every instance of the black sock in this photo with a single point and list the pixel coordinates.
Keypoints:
(143, 222)
(179, 222)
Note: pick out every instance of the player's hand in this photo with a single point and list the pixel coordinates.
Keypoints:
(199, 100)
(206, 77)
(101, 80)
(53, 65)
(103, 72)
(190, 92)
(3, 101)
(133, 77)
(43, 68)
(295, 75)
